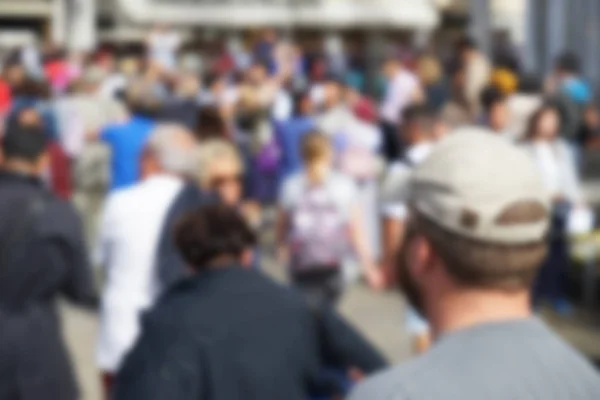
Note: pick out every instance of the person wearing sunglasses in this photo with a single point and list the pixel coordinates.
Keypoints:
(222, 171)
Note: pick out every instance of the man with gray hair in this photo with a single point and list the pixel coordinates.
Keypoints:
(476, 237)
(130, 229)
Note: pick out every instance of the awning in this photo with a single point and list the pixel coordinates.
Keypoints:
(414, 14)
(26, 8)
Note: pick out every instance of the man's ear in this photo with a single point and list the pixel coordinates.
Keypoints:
(422, 258)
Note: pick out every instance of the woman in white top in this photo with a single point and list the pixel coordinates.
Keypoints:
(556, 162)
(553, 156)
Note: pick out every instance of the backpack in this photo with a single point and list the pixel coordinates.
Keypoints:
(319, 230)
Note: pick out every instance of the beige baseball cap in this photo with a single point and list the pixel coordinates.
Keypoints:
(470, 181)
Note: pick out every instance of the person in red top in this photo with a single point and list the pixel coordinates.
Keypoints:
(5, 97)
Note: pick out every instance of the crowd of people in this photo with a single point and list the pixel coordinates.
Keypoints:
(151, 179)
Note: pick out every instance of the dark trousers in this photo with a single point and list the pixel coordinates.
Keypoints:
(392, 146)
(322, 286)
(550, 283)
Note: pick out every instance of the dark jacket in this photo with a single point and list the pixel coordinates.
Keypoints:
(48, 260)
(233, 334)
(181, 111)
(170, 265)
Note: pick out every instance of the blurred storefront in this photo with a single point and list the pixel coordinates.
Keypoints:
(279, 13)
(558, 25)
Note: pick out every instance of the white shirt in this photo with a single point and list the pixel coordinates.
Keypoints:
(163, 47)
(395, 185)
(556, 163)
(132, 222)
(399, 95)
(283, 106)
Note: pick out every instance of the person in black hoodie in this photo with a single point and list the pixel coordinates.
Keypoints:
(230, 333)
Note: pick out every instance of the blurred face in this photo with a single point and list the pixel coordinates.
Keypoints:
(333, 94)
(270, 36)
(352, 96)
(592, 117)
(440, 130)
(319, 69)
(306, 106)
(320, 167)
(188, 86)
(225, 179)
(257, 74)
(218, 86)
(499, 117)
(389, 69)
(548, 125)
(15, 75)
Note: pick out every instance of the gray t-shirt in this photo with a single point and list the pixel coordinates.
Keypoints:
(518, 360)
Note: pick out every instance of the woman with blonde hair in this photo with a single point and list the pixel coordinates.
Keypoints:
(319, 221)
(219, 178)
(221, 170)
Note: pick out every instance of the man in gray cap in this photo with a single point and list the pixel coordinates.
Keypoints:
(479, 216)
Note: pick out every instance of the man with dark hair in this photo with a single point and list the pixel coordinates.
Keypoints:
(231, 333)
(42, 256)
(476, 239)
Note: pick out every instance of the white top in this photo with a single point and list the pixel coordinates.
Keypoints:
(283, 106)
(163, 47)
(130, 230)
(399, 95)
(395, 184)
(556, 162)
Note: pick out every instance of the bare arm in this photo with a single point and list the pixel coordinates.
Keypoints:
(281, 233)
(392, 235)
(363, 249)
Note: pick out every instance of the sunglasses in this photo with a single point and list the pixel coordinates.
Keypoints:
(220, 181)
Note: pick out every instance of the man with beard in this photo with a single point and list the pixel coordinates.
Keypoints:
(476, 238)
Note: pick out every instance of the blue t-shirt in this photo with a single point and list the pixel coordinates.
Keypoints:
(290, 135)
(127, 142)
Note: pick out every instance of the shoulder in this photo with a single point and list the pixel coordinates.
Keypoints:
(110, 132)
(60, 209)
(59, 217)
(397, 177)
(343, 184)
(124, 196)
(342, 180)
(387, 385)
(293, 183)
(565, 147)
(398, 168)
